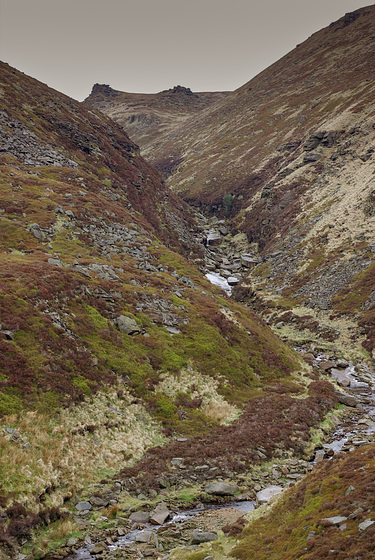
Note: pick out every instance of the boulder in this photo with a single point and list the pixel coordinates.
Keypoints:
(139, 517)
(265, 495)
(233, 280)
(335, 520)
(144, 536)
(348, 400)
(221, 489)
(99, 548)
(199, 537)
(160, 514)
(83, 506)
(365, 524)
(213, 238)
(127, 325)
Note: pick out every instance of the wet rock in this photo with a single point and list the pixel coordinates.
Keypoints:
(202, 537)
(127, 325)
(99, 548)
(144, 536)
(265, 495)
(160, 514)
(221, 489)
(326, 365)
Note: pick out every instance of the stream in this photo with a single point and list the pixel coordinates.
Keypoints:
(356, 429)
(177, 518)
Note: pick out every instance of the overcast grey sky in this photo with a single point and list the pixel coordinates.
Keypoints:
(151, 45)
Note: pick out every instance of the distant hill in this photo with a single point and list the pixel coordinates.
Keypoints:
(288, 160)
(149, 118)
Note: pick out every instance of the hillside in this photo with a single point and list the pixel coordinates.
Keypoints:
(287, 160)
(149, 118)
(112, 341)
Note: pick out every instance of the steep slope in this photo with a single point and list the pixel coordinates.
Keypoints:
(111, 340)
(287, 160)
(148, 118)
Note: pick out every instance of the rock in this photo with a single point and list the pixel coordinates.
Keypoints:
(233, 280)
(55, 262)
(221, 489)
(139, 517)
(365, 524)
(160, 514)
(98, 501)
(348, 400)
(9, 335)
(70, 214)
(267, 493)
(335, 520)
(223, 230)
(99, 548)
(213, 238)
(202, 537)
(342, 377)
(319, 456)
(248, 260)
(71, 542)
(127, 325)
(35, 229)
(325, 366)
(144, 536)
(83, 506)
(176, 461)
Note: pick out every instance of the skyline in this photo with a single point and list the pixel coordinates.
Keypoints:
(153, 45)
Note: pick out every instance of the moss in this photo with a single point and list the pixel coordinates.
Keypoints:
(82, 384)
(10, 403)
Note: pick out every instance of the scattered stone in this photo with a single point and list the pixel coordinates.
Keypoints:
(99, 548)
(127, 325)
(365, 524)
(265, 495)
(160, 514)
(335, 520)
(83, 506)
(233, 280)
(325, 366)
(71, 542)
(348, 400)
(55, 262)
(202, 537)
(176, 461)
(319, 455)
(221, 489)
(139, 517)
(213, 238)
(144, 536)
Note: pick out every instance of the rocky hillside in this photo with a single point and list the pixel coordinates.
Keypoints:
(148, 118)
(111, 339)
(287, 160)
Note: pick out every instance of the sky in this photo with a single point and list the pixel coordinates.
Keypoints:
(146, 46)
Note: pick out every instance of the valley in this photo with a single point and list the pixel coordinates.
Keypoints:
(187, 320)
